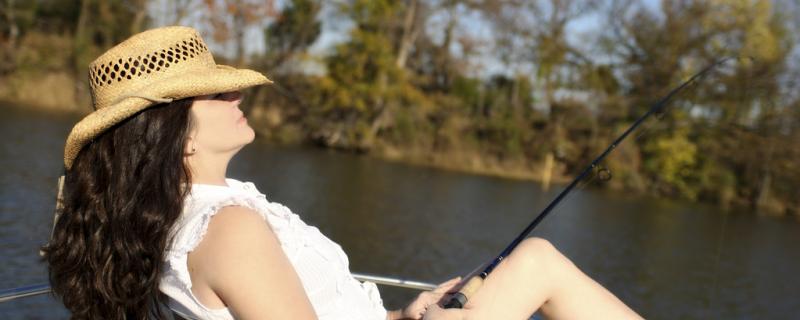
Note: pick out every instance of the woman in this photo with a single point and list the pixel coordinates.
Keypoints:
(148, 218)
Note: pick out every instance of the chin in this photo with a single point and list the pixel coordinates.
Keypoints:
(251, 135)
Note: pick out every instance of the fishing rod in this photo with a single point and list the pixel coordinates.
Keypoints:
(460, 298)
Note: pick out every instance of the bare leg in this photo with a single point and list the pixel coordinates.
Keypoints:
(538, 277)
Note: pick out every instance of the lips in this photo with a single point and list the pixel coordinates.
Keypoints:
(241, 117)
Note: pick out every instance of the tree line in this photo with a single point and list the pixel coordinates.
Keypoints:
(528, 88)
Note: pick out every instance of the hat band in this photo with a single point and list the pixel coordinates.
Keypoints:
(143, 96)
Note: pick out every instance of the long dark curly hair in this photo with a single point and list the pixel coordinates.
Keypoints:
(121, 198)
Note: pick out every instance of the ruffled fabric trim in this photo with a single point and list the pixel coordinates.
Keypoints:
(374, 297)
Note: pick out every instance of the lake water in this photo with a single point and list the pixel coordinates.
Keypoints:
(666, 259)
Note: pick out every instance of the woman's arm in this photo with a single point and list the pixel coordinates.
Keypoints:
(241, 261)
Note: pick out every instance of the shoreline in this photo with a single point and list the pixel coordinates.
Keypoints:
(471, 164)
(476, 164)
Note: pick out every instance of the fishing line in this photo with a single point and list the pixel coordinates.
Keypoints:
(721, 239)
(748, 86)
(717, 259)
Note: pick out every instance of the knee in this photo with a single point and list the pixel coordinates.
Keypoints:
(536, 246)
(536, 252)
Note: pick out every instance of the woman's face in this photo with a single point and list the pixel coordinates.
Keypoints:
(218, 126)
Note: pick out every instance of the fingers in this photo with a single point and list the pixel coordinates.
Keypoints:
(447, 285)
(425, 299)
(417, 308)
(451, 281)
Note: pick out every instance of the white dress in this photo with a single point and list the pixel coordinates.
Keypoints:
(320, 263)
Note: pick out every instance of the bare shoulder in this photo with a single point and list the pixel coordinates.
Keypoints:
(235, 233)
(237, 223)
(241, 260)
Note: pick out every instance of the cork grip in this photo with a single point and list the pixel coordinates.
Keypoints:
(460, 298)
(472, 286)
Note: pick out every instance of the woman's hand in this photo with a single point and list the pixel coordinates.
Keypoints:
(417, 308)
(435, 312)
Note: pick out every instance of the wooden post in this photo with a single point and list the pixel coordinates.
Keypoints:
(547, 171)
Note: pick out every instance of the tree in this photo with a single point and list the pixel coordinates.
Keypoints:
(364, 84)
(295, 29)
(229, 20)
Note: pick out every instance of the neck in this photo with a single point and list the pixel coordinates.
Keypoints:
(209, 169)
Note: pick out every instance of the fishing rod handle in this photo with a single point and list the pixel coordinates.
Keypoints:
(460, 298)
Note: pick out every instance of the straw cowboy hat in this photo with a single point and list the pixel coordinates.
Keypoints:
(155, 66)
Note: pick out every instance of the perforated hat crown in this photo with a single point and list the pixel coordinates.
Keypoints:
(155, 66)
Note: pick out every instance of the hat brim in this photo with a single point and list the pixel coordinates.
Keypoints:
(191, 83)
